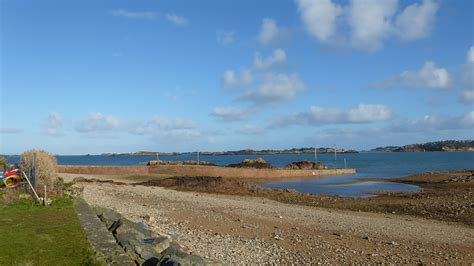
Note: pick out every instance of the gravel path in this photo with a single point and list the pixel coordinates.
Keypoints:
(254, 230)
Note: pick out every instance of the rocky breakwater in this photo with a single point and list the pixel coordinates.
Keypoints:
(144, 246)
(305, 165)
(258, 163)
(160, 162)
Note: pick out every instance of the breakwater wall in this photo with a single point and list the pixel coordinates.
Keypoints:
(198, 170)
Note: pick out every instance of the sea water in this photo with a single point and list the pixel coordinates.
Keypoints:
(368, 165)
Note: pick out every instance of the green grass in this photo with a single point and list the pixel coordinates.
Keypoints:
(31, 234)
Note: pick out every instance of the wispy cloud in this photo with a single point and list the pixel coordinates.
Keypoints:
(225, 38)
(9, 130)
(468, 77)
(173, 123)
(271, 33)
(177, 20)
(53, 124)
(429, 77)
(363, 113)
(277, 58)
(134, 14)
(250, 130)
(232, 114)
(97, 122)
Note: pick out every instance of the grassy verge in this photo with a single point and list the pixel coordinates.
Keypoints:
(34, 235)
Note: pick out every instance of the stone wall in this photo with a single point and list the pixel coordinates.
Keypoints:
(197, 170)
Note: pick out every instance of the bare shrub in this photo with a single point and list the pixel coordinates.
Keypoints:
(46, 166)
(10, 196)
(3, 163)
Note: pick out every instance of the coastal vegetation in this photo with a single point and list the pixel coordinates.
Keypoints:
(42, 165)
(446, 145)
(32, 234)
(3, 163)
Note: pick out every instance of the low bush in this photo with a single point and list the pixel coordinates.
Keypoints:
(45, 170)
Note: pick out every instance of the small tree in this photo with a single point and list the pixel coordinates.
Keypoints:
(3, 163)
(46, 166)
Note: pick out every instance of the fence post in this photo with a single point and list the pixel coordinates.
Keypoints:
(34, 171)
(45, 198)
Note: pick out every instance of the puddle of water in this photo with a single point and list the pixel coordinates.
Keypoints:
(352, 190)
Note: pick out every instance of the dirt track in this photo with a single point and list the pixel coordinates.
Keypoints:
(242, 229)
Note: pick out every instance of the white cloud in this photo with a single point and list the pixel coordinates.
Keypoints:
(271, 33)
(246, 76)
(225, 38)
(468, 120)
(427, 128)
(173, 123)
(260, 86)
(468, 96)
(97, 122)
(277, 58)
(366, 23)
(370, 21)
(435, 123)
(470, 55)
(363, 113)
(429, 77)
(230, 114)
(468, 77)
(134, 14)
(319, 17)
(53, 124)
(177, 20)
(250, 130)
(230, 79)
(416, 21)
(275, 88)
(369, 113)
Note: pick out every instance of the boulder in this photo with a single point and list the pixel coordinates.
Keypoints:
(175, 256)
(79, 179)
(135, 238)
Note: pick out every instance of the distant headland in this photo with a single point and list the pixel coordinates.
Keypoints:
(440, 146)
(310, 150)
(446, 146)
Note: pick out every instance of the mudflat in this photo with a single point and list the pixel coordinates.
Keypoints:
(235, 221)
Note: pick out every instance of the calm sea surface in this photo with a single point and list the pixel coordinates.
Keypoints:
(384, 165)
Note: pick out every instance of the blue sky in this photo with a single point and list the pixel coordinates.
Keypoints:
(83, 77)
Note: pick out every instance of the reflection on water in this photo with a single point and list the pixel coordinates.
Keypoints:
(336, 188)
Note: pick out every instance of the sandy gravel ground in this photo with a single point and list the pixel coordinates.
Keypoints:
(234, 229)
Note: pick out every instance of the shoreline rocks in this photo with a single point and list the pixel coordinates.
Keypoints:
(160, 162)
(258, 163)
(306, 165)
(144, 246)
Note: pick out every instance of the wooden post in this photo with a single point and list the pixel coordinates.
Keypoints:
(31, 186)
(45, 198)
